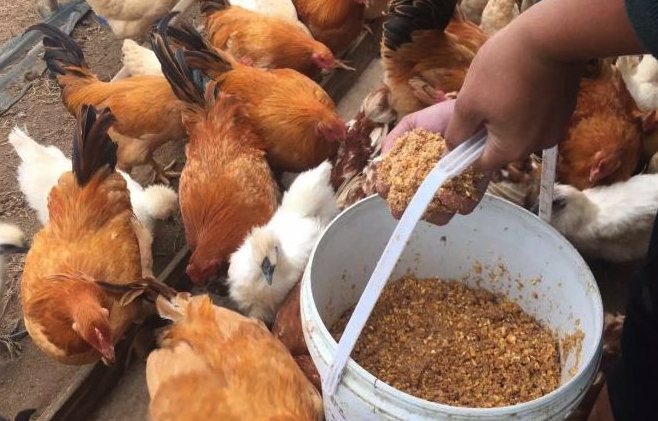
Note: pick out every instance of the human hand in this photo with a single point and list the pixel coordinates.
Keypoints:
(435, 119)
(524, 100)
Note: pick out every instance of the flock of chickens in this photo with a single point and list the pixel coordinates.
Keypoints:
(245, 97)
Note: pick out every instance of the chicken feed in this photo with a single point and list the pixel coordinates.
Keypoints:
(445, 342)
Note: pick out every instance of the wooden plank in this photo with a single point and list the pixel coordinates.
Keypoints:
(359, 55)
(92, 383)
(548, 170)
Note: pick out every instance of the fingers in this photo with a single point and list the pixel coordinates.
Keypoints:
(434, 119)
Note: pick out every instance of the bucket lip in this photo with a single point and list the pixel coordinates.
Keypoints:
(359, 374)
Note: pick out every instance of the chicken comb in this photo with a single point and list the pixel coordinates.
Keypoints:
(61, 50)
(210, 6)
(407, 16)
(93, 149)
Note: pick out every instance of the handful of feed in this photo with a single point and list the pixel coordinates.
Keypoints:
(405, 166)
(445, 342)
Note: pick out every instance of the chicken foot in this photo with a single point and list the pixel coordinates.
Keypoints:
(163, 174)
(12, 343)
(145, 241)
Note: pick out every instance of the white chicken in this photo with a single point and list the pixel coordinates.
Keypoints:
(12, 241)
(641, 80)
(473, 9)
(608, 222)
(139, 60)
(272, 258)
(130, 18)
(281, 9)
(497, 14)
(41, 166)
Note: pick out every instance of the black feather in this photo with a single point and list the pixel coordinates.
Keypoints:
(188, 84)
(61, 51)
(211, 6)
(93, 149)
(407, 16)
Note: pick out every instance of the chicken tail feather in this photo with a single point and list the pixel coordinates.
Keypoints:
(93, 149)
(62, 54)
(188, 84)
(407, 16)
(209, 7)
(147, 288)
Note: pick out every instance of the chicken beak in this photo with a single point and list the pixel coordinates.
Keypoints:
(109, 358)
(268, 270)
(339, 64)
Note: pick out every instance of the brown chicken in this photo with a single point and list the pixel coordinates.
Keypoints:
(226, 187)
(216, 364)
(602, 145)
(353, 172)
(92, 235)
(147, 112)
(263, 41)
(427, 48)
(287, 328)
(335, 23)
(293, 115)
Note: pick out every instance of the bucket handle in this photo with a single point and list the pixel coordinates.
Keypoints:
(451, 165)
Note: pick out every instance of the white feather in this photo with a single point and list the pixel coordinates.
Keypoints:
(281, 9)
(608, 222)
(140, 60)
(42, 166)
(641, 80)
(10, 234)
(287, 240)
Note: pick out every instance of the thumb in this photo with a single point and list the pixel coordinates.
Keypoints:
(462, 125)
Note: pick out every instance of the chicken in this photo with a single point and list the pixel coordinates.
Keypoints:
(281, 9)
(273, 257)
(641, 80)
(497, 14)
(12, 241)
(42, 166)
(263, 41)
(287, 328)
(518, 182)
(131, 18)
(473, 9)
(91, 236)
(608, 222)
(426, 52)
(335, 23)
(353, 172)
(226, 187)
(146, 110)
(216, 364)
(291, 113)
(139, 60)
(602, 144)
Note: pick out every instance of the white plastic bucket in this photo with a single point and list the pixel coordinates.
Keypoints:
(559, 290)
